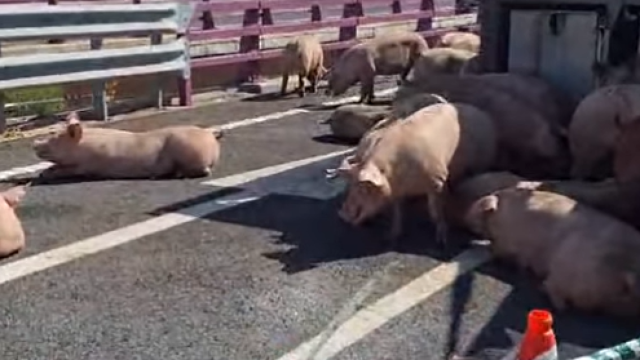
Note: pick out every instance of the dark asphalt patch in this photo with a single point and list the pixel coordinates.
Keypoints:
(251, 282)
(494, 318)
(55, 215)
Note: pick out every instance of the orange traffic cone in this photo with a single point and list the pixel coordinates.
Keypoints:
(539, 342)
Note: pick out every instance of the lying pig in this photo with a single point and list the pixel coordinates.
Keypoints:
(617, 199)
(595, 127)
(586, 258)
(388, 54)
(626, 162)
(460, 40)
(354, 120)
(440, 61)
(529, 143)
(303, 56)
(12, 239)
(187, 151)
(421, 155)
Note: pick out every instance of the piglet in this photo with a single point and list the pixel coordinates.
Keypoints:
(12, 239)
(418, 156)
(586, 258)
(187, 151)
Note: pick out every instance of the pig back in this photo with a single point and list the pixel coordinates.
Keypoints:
(626, 163)
(521, 129)
(393, 53)
(529, 225)
(440, 61)
(595, 126)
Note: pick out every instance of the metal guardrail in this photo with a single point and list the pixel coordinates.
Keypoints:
(249, 22)
(94, 21)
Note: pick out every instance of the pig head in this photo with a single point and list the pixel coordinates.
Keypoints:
(367, 195)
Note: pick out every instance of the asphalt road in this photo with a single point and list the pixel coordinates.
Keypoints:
(251, 281)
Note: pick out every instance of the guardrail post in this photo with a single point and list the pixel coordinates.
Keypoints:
(251, 43)
(426, 24)
(99, 94)
(158, 94)
(3, 119)
(54, 41)
(207, 19)
(348, 11)
(185, 88)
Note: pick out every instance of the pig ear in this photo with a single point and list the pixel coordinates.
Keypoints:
(74, 128)
(14, 195)
(372, 175)
(489, 204)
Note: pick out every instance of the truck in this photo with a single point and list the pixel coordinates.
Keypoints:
(576, 45)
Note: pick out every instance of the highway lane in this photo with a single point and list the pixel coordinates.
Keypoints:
(251, 281)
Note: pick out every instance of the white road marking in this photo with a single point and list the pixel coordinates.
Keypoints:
(18, 171)
(382, 311)
(48, 259)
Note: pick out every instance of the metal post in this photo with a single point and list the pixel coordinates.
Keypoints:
(99, 93)
(158, 93)
(3, 119)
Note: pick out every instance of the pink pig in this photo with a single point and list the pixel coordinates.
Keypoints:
(586, 258)
(418, 156)
(12, 239)
(187, 151)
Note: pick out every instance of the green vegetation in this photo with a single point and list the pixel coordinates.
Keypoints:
(40, 101)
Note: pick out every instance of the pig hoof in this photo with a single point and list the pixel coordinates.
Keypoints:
(301, 94)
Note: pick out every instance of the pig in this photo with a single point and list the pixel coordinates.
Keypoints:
(12, 238)
(440, 61)
(626, 164)
(388, 54)
(187, 151)
(624, 73)
(584, 257)
(530, 145)
(354, 120)
(419, 156)
(472, 66)
(609, 196)
(595, 126)
(402, 108)
(555, 105)
(303, 56)
(460, 40)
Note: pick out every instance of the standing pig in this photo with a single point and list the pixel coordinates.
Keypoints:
(585, 257)
(304, 57)
(354, 120)
(12, 239)
(595, 127)
(421, 155)
(187, 151)
(440, 61)
(529, 142)
(389, 54)
(460, 40)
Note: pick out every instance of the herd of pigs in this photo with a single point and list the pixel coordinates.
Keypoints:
(552, 182)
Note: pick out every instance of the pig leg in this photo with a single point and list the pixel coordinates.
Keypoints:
(283, 87)
(313, 78)
(301, 91)
(436, 210)
(366, 92)
(396, 223)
